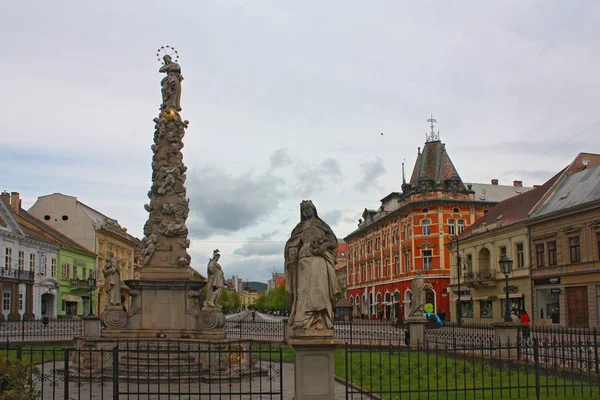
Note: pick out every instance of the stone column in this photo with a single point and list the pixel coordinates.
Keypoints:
(29, 315)
(314, 375)
(507, 336)
(14, 303)
(1, 301)
(416, 330)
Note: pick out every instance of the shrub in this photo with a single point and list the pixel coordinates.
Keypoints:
(14, 380)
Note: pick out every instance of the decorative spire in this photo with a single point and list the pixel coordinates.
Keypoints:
(432, 136)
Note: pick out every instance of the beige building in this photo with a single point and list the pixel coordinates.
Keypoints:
(501, 231)
(248, 298)
(92, 229)
(564, 232)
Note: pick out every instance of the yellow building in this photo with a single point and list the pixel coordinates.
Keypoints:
(248, 298)
(94, 231)
(501, 231)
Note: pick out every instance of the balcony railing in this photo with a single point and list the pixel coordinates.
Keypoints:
(485, 277)
(83, 283)
(15, 273)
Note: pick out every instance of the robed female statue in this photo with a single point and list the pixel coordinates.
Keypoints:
(310, 256)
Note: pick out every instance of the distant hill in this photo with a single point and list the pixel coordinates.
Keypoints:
(258, 286)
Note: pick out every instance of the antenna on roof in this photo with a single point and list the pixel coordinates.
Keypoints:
(403, 177)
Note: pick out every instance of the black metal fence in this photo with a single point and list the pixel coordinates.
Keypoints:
(44, 329)
(152, 369)
(482, 369)
(266, 331)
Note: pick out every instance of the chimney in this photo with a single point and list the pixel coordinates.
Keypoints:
(537, 186)
(5, 198)
(494, 181)
(518, 183)
(15, 202)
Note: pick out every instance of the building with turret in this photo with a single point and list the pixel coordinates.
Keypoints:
(408, 232)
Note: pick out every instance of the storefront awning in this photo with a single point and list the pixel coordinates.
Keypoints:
(72, 298)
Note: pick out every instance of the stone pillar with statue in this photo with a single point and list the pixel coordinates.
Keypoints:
(310, 256)
(416, 316)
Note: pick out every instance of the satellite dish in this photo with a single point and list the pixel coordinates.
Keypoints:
(586, 161)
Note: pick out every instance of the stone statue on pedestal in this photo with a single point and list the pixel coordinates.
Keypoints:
(310, 256)
(417, 305)
(216, 281)
(112, 280)
(171, 85)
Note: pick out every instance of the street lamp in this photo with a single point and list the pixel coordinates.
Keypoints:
(92, 285)
(506, 265)
(458, 272)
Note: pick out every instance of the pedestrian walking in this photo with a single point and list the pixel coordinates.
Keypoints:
(525, 321)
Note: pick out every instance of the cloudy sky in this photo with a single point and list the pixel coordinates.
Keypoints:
(287, 101)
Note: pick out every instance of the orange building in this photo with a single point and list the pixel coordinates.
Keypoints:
(409, 231)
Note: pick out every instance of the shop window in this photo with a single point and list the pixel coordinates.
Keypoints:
(520, 255)
(539, 255)
(426, 227)
(427, 259)
(452, 227)
(467, 309)
(486, 309)
(552, 260)
(516, 305)
(575, 249)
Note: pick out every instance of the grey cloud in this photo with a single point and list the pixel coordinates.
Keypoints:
(257, 267)
(531, 148)
(222, 203)
(280, 158)
(314, 179)
(260, 248)
(331, 217)
(371, 171)
(537, 177)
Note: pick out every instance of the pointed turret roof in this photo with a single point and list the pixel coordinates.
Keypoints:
(434, 170)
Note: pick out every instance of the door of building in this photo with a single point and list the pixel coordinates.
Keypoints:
(577, 307)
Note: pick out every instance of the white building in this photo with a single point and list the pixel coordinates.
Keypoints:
(27, 259)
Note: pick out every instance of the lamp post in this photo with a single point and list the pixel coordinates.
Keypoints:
(506, 265)
(92, 286)
(458, 272)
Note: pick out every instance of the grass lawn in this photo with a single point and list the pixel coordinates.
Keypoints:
(392, 375)
(38, 353)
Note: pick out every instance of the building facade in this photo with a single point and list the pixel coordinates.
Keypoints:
(408, 233)
(475, 255)
(564, 232)
(248, 298)
(74, 274)
(95, 231)
(27, 259)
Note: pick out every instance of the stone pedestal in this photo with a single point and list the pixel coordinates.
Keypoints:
(314, 374)
(165, 308)
(288, 332)
(91, 326)
(416, 330)
(507, 336)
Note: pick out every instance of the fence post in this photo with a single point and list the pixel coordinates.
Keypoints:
(348, 380)
(22, 329)
(536, 359)
(19, 353)
(115, 368)
(66, 391)
(596, 350)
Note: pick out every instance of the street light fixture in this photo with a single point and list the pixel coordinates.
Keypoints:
(92, 286)
(506, 265)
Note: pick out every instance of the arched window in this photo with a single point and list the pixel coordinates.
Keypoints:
(452, 226)
(426, 227)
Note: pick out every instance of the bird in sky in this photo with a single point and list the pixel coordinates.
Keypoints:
(381, 133)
